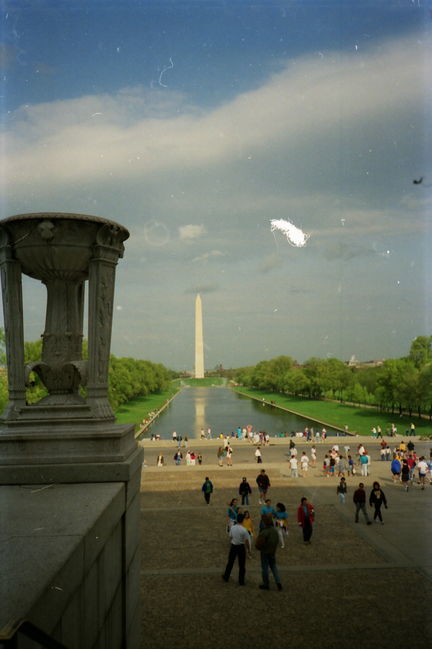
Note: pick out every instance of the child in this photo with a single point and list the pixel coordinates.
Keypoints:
(326, 466)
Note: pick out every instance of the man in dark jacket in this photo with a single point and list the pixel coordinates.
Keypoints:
(244, 491)
(267, 542)
(359, 499)
(263, 483)
(207, 489)
(377, 499)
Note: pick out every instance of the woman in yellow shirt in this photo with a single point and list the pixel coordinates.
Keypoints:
(248, 523)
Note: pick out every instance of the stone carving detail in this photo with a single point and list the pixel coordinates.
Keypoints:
(46, 230)
(61, 381)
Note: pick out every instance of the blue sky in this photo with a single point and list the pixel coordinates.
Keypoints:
(194, 124)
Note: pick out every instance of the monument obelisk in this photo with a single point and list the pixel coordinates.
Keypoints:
(199, 344)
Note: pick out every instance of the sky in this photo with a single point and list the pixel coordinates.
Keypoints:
(195, 124)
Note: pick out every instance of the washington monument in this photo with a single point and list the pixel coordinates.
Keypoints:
(199, 344)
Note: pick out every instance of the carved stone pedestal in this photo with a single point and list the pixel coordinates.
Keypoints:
(73, 426)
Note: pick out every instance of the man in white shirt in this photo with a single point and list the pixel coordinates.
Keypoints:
(240, 544)
(422, 469)
(294, 466)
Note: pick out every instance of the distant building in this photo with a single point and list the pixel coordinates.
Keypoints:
(353, 362)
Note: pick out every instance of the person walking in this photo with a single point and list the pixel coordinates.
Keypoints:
(306, 518)
(248, 522)
(294, 466)
(220, 455)
(313, 456)
(267, 508)
(207, 489)
(395, 468)
(240, 545)
(341, 467)
(359, 500)
(267, 542)
(160, 460)
(258, 455)
(263, 483)
(229, 453)
(405, 474)
(232, 513)
(178, 456)
(341, 491)
(411, 465)
(364, 464)
(422, 467)
(304, 464)
(377, 499)
(281, 523)
(244, 491)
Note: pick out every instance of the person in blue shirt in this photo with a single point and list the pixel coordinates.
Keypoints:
(267, 508)
(395, 468)
(281, 523)
(232, 513)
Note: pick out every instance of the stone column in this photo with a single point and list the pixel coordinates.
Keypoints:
(62, 338)
(108, 249)
(13, 321)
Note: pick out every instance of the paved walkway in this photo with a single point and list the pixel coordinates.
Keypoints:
(355, 585)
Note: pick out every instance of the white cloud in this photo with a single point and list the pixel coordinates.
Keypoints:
(144, 132)
(191, 232)
(209, 255)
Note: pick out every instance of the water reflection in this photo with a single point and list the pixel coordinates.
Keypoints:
(200, 409)
(223, 411)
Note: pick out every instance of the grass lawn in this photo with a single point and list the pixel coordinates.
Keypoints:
(359, 420)
(136, 410)
(207, 382)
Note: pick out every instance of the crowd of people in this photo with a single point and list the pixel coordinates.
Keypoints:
(340, 462)
(244, 535)
(273, 525)
(271, 533)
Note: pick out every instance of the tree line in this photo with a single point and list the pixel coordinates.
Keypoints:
(398, 385)
(128, 378)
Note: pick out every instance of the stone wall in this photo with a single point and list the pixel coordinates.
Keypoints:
(69, 560)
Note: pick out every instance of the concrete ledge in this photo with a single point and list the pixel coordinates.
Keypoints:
(104, 471)
(42, 551)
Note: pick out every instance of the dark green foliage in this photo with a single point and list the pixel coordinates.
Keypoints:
(128, 378)
(398, 385)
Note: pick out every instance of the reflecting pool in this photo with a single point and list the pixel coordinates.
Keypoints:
(224, 410)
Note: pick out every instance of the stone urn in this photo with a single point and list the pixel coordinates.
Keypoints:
(65, 252)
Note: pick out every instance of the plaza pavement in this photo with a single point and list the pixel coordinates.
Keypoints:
(354, 586)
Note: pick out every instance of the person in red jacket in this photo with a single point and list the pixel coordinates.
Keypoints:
(305, 518)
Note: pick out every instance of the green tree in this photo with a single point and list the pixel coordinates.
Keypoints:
(397, 384)
(408, 390)
(425, 388)
(334, 377)
(296, 382)
(421, 351)
(357, 393)
(313, 368)
(262, 376)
